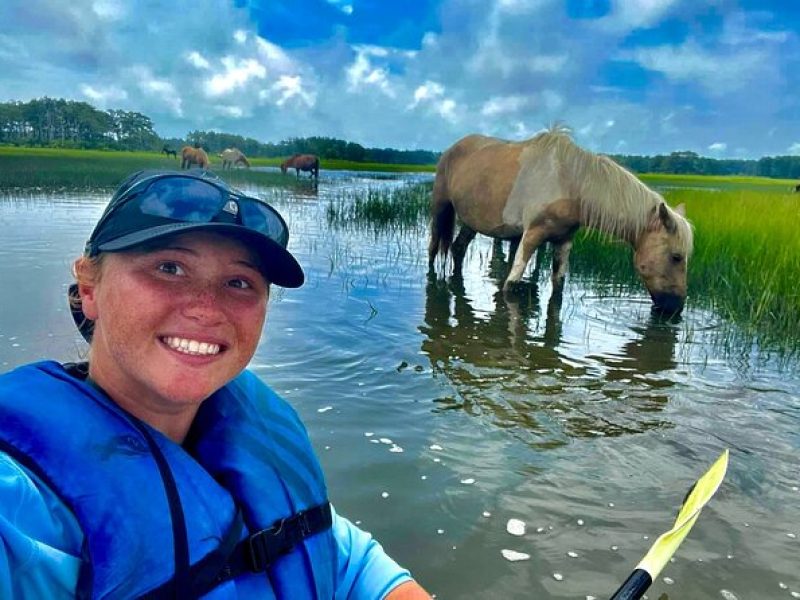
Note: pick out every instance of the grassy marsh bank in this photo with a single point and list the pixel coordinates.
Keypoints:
(59, 168)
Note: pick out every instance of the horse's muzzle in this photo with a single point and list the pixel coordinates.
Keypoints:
(667, 304)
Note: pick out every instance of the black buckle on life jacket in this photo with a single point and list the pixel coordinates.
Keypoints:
(266, 546)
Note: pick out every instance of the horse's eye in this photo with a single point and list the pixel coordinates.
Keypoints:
(676, 258)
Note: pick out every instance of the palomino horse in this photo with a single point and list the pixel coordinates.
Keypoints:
(169, 152)
(302, 162)
(543, 190)
(232, 157)
(194, 156)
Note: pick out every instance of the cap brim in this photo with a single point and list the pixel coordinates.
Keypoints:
(278, 264)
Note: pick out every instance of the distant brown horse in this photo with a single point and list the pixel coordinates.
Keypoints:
(543, 190)
(302, 162)
(232, 157)
(194, 156)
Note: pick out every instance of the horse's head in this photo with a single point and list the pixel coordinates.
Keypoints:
(661, 255)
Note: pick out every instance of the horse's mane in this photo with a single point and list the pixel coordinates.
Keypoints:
(612, 199)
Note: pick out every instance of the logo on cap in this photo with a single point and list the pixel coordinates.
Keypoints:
(231, 207)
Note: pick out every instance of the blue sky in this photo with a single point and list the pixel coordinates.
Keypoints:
(718, 77)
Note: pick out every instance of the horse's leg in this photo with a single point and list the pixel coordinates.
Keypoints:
(560, 260)
(513, 246)
(459, 247)
(531, 240)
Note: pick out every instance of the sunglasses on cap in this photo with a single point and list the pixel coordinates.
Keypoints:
(151, 204)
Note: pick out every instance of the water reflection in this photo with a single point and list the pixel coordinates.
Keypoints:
(513, 366)
(651, 352)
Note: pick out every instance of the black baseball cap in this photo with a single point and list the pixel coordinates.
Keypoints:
(153, 204)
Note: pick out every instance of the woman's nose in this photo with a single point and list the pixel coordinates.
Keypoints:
(203, 303)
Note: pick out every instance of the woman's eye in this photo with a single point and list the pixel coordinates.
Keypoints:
(170, 268)
(240, 284)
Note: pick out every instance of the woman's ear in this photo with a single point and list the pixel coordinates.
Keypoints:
(87, 276)
(88, 300)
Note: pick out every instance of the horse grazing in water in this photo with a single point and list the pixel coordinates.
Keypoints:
(194, 156)
(543, 190)
(302, 162)
(232, 157)
(169, 151)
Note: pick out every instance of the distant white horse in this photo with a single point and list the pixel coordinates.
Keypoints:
(232, 157)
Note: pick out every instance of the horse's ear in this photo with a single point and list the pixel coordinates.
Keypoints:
(680, 209)
(666, 218)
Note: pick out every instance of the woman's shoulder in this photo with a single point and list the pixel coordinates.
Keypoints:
(40, 539)
(32, 510)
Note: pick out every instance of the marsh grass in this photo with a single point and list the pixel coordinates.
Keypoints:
(747, 261)
(53, 168)
(744, 268)
(381, 208)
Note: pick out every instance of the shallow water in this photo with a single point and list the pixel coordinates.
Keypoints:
(442, 409)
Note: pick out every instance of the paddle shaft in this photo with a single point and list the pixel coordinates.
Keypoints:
(634, 587)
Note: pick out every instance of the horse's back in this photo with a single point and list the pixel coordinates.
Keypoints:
(477, 174)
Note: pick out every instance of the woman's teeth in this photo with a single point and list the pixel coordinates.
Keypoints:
(187, 346)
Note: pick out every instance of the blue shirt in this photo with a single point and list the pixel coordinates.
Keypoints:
(40, 542)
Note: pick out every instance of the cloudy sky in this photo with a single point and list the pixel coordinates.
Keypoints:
(719, 77)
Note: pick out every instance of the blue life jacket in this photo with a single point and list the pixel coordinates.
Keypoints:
(149, 508)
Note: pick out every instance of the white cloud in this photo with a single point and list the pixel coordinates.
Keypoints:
(794, 148)
(361, 74)
(499, 105)
(237, 73)
(717, 147)
(345, 7)
(234, 112)
(240, 36)
(720, 73)
(103, 97)
(161, 90)
(110, 10)
(274, 55)
(627, 15)
(196, 59)
(288, 87)
(427, 91)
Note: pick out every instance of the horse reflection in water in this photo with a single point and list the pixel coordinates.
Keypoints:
(543, 190)
(512, 367)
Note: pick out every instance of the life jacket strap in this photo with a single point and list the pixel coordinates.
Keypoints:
(254, 554)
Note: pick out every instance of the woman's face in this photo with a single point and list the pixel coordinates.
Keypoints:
(174, 324)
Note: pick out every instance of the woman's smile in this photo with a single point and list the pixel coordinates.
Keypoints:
(191, 346)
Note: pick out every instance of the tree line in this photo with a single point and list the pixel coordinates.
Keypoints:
(73, 124)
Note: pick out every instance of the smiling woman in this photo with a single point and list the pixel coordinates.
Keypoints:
(172, 294)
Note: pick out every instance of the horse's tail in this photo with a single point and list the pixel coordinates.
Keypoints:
(443, 220)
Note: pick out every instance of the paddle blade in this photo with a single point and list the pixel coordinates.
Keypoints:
(666, 545)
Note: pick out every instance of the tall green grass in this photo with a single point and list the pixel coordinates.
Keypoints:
(381, 208)
(747, 260)
(744, 268)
